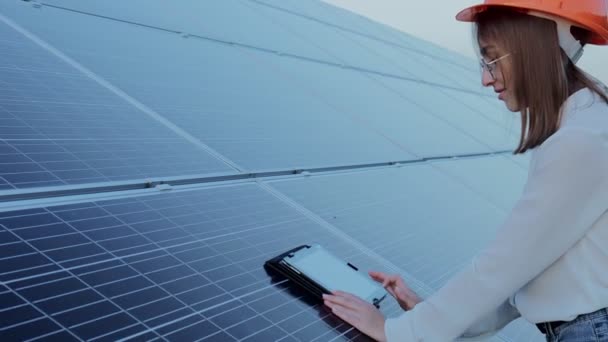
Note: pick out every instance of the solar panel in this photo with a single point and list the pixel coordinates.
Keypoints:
(361, 26)
(95, 92)
(408, 63)
(190, 17)
(402, 108)
(406, 227)
(378, 54)
(499, 179)
(336, 42)
(280, 25)
(179, 265)
(255, 123)
(60, 127)
(269, 138)
(447, 106)
(418, 216)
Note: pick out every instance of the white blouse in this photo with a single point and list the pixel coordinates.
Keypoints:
(549, 260)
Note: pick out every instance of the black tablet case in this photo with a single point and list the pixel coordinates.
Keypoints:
(276, 264)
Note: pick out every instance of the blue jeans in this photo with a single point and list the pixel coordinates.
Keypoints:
(592, 327)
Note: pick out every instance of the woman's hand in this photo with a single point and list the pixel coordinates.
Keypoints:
(358, 313)
(394, 285)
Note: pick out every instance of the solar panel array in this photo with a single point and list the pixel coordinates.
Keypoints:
(153, 156)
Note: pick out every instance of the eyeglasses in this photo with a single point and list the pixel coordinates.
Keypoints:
(491, 66)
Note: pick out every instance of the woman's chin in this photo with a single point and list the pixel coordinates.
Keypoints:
(513, 109)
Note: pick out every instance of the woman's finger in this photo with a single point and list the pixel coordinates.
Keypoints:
(393, 284)
(400, 281)
(347, 315)
(391, 291)
(394, 278)
(348, 296)
(339, 300)
(377, 276)
(351, 300)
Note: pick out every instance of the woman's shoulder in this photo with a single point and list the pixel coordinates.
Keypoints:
(584, 125)
(572, 149)
(583, 133)
(585, 109)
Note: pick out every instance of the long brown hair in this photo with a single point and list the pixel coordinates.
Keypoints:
(543, 77)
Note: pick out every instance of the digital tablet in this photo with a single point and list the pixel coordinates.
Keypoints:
(317, 270)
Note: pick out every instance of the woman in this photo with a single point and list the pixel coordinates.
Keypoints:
(549, 261)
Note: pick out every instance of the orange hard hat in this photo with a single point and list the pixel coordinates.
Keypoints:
(591, 15)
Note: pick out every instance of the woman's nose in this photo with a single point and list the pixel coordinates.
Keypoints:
(486, 78)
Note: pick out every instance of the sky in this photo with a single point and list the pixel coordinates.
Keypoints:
(434, 21)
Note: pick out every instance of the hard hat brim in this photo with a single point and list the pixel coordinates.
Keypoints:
(599, 37)
(469, 14)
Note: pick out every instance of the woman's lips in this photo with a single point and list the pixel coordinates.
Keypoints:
(501, 95)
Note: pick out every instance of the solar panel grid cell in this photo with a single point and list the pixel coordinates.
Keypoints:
(187, 265)
(253, 138)
(209, 286)
(60, 127)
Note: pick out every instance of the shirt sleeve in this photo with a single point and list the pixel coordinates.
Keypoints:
(491, 323)
(565, 193)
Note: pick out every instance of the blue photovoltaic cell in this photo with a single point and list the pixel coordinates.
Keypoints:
(415, 66)
(315, 10)
(406, 227)
(499, 179)
(276, 28)
(60, 127)
(419, 130)
(332, 40)
(494, 133)
(379, 55)
(428, 220)
(264, 130)
(212, 19)
(361, 26)
(493, 109)
(423, 47)
(268, 84)
(252, 131)
(428, 67)
(250, 112)
(177, 266)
